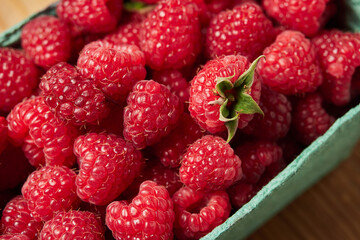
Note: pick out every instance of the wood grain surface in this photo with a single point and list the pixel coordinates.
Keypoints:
(329, 210)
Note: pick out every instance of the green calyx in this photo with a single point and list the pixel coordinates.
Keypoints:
(234, 99)
(138, 7)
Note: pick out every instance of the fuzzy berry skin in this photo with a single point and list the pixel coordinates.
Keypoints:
(150, 215)
(339, 57)
(18, 77)
(114, 68)
(198, 213)
(175, 48)
(16, 219)
(303, 16)
(46, 40)
(14, 237)
(310, 118)
(203, 86)
(71, 97)
(210, 164)
(152, 111)
(291, 65)
(50, 190)
(108, 165)
(171, 147)
(240, 193)
(277, 116)
(94, 16)
(75, 225)
(243, 30)
(255, 157)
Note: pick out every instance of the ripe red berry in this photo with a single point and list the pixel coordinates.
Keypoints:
(150, 215)
(240, 193)
(14, 237)
(198, 213)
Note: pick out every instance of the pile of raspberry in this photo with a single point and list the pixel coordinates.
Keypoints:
(160, 119)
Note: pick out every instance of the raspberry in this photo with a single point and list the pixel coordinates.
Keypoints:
(93, 16)
(108, 165)
(271, 171)
(14, 237)
(209, 164)
(240, 193)
(303, 16)
(3, 133)
(46, 40)
(255, 157)
(72, 98)
(50, 190)
(44, 138)
(150, 215)
(152, 111)
(339, 56)
(18, 77)
(310, 118)
(170, 35)
(277, 116)
(171, 147)
(114, 68)
(198, 213)
(290, 65)
(73, 225)
(243, 30)
(16, 219)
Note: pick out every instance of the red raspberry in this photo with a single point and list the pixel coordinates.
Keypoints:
(50, 190)
(255, 157)
(198, 213)
(73, 225)
(271, 171)
(150, 215)
(240, 193)
(339, 56)
(16, 219)
(171, 147)
(152, 111)
(290, 65)
(210, 164)
(243, 30)
(46, 40)
(108, 165)
(310, 118)
(14, 237)
(71, 97)
(90, 15)
(277, 116)
(114, 68)
(18, 77)
(303, 16)
(170, 35)
(3, 133)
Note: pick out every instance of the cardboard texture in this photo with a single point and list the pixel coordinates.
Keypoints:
(313, 163)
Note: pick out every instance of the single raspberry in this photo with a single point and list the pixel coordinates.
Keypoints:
(152, 111)
(255, 157)
(14, 237)
(170, 35)
(93, 16)
(310, 118)
(243, 30)
(44, 138)
(171, 147)
(210, 164)
(108, 165)
(18, 77)
(16, 219)
(198, 213)
(150, 215)
(207, 93)
(50, 190)
(339, 57)
(303, 16)
(3, 133)
(291, 65)
(46, 40)
(114, 68)
(276, 121)
(73, 225)
(71, 97)
(240, 193)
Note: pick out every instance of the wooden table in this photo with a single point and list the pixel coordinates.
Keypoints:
(329, 210)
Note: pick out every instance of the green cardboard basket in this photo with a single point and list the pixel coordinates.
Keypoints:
(313, 163)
